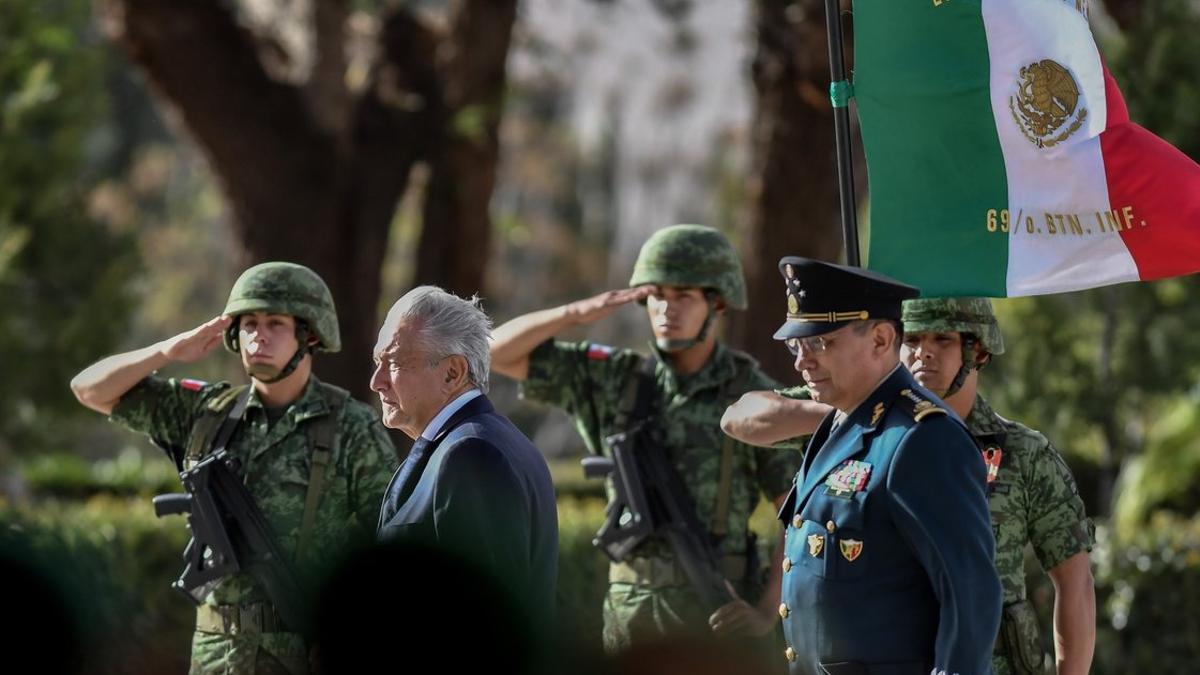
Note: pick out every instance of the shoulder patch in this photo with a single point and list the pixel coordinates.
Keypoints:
(917, 406)
(192, 385)
(221, 402)
(597, 352)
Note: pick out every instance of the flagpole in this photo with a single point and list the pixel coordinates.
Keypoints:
(840, 93)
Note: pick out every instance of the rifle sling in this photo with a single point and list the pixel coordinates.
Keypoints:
(231, 421)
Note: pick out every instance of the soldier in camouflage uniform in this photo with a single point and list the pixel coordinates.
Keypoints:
(315, 460)
(687, 275)
(1032, 496)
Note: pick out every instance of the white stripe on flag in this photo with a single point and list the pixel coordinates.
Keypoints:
(1064, 179)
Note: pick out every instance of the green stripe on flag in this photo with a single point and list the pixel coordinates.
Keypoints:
(934, 164)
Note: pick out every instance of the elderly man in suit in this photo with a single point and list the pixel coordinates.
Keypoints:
(472, 485)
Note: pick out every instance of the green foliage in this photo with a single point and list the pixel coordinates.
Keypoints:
(1165, 475)
(63, 278)
(1147, 581)
(111, 562)
(582, 570)
(1157, 65)
(130, 473)
(1094, 369)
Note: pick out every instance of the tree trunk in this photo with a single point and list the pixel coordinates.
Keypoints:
(794, 186)
(314, 173)
(456, 232)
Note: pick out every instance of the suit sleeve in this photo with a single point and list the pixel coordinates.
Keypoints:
(482, 512)
(939, 503)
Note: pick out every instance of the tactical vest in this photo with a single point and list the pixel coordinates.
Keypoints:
(321, 432)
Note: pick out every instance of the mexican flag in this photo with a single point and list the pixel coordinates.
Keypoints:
(1000, 156)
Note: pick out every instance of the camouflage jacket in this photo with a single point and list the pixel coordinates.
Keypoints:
(1033, 498)
(276, 465)
(589, 381)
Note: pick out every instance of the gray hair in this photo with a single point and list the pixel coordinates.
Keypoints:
(449, 325)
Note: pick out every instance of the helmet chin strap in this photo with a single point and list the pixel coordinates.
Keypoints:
(671, 346)
(968, 364)
(266, 373)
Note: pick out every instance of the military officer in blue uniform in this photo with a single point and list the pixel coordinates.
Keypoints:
(888, 566)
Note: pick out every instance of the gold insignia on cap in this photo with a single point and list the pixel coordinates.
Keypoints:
(793, 305)
(851, 549)
(828, 317)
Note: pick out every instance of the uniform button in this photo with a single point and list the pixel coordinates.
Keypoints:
(787, 564)
(797, 522)
(790, 654)
(830, 526)
(783, 610)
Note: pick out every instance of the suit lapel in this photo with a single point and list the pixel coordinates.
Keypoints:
(405, 480)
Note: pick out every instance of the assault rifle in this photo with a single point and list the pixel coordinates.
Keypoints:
(231, 535)
(649, 499)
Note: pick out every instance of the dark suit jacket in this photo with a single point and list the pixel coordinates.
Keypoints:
(482, 491)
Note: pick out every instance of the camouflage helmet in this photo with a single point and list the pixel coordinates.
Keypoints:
(964, 315)
(692, 255)
(285, 288)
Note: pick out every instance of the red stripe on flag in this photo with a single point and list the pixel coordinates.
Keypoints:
(1153, 191)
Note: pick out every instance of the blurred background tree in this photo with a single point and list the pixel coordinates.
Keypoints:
(312, 116)
(65, 278)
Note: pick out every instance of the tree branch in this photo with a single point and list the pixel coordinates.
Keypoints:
(255, 129)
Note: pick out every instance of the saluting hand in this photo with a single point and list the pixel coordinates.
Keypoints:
(597, 307)
(196, 343)
(739, 617)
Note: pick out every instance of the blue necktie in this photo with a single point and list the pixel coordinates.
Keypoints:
(401, 488)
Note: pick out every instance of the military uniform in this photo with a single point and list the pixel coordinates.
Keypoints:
(318, 481)
(648, 595)
(889, 554)
(1032, 498)
(1031, 494)
(237, 631)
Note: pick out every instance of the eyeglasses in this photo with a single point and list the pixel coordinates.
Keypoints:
(814, 345)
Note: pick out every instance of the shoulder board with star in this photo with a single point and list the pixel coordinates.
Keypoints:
(918, 406)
